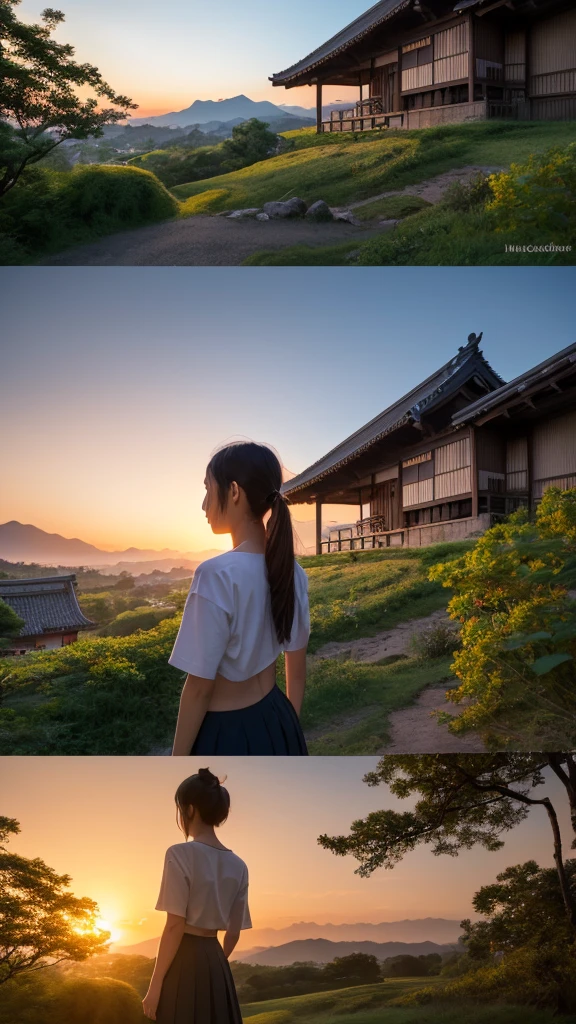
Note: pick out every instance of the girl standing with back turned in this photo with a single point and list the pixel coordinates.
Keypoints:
(204, 890)
(244, 607)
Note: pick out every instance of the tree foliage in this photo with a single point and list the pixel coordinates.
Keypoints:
(10, 623)
(539, 194)
(517, 660)
(460, 801)
(40, 921)
(41, 87)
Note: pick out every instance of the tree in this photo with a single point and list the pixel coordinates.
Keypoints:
(10, 623)
(40, 923)
(524, 908)
(357, 968)
(125, 581)
(40, 105)
(463, 800)
(251, 141)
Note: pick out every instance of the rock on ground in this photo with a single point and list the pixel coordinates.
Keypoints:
(280, 210)
(298, 205)
(319, 211)
(252, 211)
(347, 216)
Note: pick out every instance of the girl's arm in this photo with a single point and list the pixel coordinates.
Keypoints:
(169, 942)
(230, 943)
(194, 702)
(295, 662)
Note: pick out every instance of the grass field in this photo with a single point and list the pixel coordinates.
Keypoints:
(345, 168)
(118, 695)
(371, 1004)
(357, 594)
(350, 703)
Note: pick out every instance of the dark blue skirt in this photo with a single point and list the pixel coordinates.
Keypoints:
(198, 987)
(268, 727)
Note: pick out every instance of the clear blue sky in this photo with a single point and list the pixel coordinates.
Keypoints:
(166, 55)
(120, 382)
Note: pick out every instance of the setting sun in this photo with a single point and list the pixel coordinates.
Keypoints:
(102, 925)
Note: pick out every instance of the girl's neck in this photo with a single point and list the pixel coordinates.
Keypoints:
(251, 535)
(206, 834)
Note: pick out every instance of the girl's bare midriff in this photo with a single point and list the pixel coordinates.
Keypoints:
(229, 696)
(204, 933)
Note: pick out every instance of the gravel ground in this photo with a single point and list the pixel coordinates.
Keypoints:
(204, 242)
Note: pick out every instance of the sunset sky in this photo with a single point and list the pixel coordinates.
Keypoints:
(108, 821)
(165, 56)
(118, 383)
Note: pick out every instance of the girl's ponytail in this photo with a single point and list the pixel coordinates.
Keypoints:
(279, 556)
(257, 469)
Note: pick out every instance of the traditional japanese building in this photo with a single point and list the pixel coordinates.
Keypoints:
(451, 457)
(50, 609)
(419, 64)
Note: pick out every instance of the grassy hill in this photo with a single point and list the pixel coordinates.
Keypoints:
(118, 695)
(346, 167)
(374, 1004)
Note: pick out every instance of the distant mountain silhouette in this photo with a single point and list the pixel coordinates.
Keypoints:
(215, 110)
(438, 933)
(322, 951)
(22, 542)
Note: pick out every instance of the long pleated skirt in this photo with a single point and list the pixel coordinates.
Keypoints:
(268, 727)
(199, 987)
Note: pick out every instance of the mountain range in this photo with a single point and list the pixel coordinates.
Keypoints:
(241, 108)
(432, 931)
(322, 951)
(22, 542)
(201, 111)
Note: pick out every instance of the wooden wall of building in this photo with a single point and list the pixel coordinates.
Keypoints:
(442, 472)
(552, 58)
(554, 454)
(515, 57)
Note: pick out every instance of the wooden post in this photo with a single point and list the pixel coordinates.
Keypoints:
(530, 469)
(319, 527)
(397, 100)
(318, 107)
(473, 472)
(471, 59)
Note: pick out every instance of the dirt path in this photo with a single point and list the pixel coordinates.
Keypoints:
(431, 190)
(412, 729)
(206, 242)
(382, 645)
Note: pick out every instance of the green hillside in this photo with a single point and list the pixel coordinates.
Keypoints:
(118, 695)
(373, 1004)
(344, 168)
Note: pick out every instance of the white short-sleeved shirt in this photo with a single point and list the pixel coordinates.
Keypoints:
(207, 886)
(227, 626)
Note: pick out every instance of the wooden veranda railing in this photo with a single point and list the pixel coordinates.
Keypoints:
(367, 114)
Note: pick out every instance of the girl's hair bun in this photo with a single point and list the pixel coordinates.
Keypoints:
(204, 792)
(208, 778)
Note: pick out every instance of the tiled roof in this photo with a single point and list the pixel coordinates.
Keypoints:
(528, 379)
(351, 34)
(405, 410)
(47, 605)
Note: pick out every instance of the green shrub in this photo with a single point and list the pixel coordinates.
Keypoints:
(538, 194)
(465, 196)
(104, 695)
(436, 642)
(49, 210)
(518, 627)
(130, 621)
